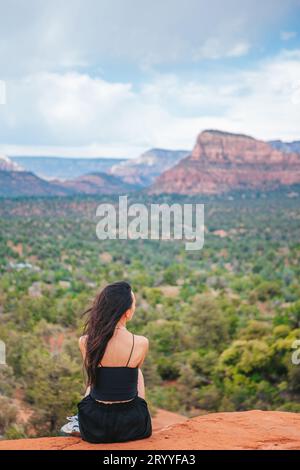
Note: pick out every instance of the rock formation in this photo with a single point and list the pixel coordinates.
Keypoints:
(268, 430)
(221, 162)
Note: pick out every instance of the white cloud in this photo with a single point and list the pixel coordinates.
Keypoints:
(2, 92)
(262, 101)
(75, 110)
(90, 151)
(79, 114)
(238, 50)
(215, 48)
(51, 35)
(287, 35)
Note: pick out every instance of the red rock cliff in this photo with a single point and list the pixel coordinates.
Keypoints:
(221, 162)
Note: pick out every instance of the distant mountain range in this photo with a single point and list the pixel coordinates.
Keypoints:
(15, 181)
(7, 164)
(24, 183)
(63, 168)
(98, 183)
(141, 171)
(222, 161)
(148, 166)
(286, 146)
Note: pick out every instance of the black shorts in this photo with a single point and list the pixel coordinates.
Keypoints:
(116, 422)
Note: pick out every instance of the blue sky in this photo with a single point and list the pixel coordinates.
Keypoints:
(116, 77)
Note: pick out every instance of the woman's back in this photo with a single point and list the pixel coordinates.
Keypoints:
(122, 346)
(116, 382)
(121, 350)
(117, 374)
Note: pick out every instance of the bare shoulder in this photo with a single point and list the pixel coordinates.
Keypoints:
(142, 346)
(82, 342)
(142, 342)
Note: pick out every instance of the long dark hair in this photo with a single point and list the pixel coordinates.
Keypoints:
(102, 317)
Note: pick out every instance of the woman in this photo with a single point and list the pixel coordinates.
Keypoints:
(114, 408)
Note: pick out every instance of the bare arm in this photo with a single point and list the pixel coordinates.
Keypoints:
(82, 344)
(141, 382)
(141, 385)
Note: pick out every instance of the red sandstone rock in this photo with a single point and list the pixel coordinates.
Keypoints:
(221, 162)
(270, 430)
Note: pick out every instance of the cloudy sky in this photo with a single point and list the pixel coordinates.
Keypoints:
(116, 77)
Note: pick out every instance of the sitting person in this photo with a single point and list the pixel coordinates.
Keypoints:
(114, 407)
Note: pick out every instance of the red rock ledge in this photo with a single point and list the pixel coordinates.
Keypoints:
(239, 430)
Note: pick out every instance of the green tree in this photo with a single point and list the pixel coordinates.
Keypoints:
(209, 328)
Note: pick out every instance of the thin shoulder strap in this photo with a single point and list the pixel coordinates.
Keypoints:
(131, 350)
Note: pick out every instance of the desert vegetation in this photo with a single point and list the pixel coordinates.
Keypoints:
(221, 321)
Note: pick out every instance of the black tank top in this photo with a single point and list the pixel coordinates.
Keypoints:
(116, 383)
